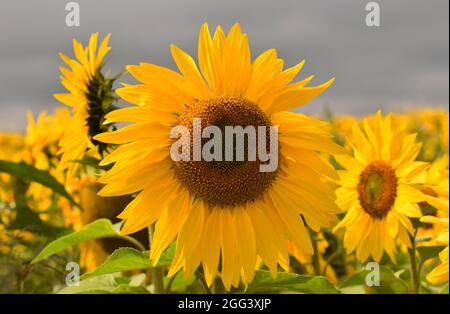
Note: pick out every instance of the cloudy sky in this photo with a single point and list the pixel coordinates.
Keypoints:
(402, 63)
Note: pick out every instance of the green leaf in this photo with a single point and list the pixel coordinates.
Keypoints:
(428, 210)
(178, 283)
(125, 259)
(444, 290)
(263, 283)
(100, 284)
(389, 282)
(125, 289)
(167, 256)
(427, 252)
(103, 284)
(101, 228)
(29, 220)
(92, 162)
(29, 173)
(122, 259)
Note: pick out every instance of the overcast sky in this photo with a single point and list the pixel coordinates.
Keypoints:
(402, 63)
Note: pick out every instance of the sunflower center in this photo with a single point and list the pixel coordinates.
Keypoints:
(223, 182)
(377, 189)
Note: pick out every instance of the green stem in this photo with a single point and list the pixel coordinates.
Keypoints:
(329, 261)
(201, 278)
(316, 256)
(414, 269)
(169, 284)
(157, 274)
(132, 240)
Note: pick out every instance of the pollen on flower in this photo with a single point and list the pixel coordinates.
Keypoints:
(377, 189)
(224, 183)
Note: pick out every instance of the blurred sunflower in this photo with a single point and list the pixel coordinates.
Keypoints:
(307, 261)
(342, 127)
(90, 97)
(431, 126)
(215, 208)
(440, 220)
(379, 188)
(11, 149)
(41, 140)
(436, 185)
(440, 273)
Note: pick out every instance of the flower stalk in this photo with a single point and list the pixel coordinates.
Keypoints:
(415, 277)
(157, 274)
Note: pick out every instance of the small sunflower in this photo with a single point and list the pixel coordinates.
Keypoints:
(440, 223)
(380, 188)
(440, 273)
(41, 140)
(436, 185)
(431, 126)
(216, 210)
(90, 95)
(306, 261)
(11, 148)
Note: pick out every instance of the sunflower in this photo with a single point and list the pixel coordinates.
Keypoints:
(90, 96)
(227, 211)
(11, 148)
(440, 273)
(440, 220)
(41, 140)
(43, 135)
(431, 125)
(342, 127)
(436, 185)
(379, 188)
(306, 261)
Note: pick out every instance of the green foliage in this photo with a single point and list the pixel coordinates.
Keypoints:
(29, 220)
(29, 174)
(100, 228)
(290, 282)
(92, 162)
(180, 284)
(444, 290)
(126, 259)
(427, 252)
(389, 282)
(104, 284)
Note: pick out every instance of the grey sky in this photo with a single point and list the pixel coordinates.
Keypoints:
(403, 63)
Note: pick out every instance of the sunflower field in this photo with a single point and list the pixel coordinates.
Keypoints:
(92, 200)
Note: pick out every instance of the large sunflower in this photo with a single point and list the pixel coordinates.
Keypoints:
(221, 209)
(380, 188)
(90, 96)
